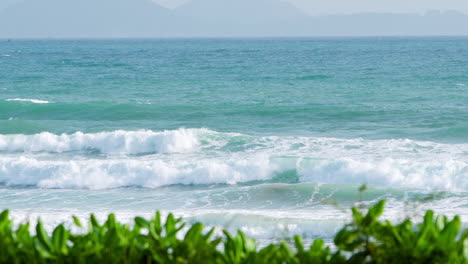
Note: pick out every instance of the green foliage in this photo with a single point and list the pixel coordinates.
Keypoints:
(158, 240)
(435, 240)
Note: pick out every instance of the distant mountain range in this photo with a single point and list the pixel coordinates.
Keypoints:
(207, 18)
(84, 18)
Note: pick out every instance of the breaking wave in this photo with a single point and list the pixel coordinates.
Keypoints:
(200, 156)
(152, 173)
(116, 142)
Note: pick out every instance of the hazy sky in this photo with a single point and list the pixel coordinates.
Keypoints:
(349, 6)
(354, 6)
(358, 6)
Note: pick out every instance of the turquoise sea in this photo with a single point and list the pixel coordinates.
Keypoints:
(271, 136)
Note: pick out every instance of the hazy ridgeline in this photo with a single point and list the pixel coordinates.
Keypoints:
(208, 18)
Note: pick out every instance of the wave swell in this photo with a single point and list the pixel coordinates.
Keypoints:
(142, 172)
(200, 156)
(116, 142)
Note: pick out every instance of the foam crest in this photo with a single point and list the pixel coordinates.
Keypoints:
(116, 142)
(143, 172)
(432, 175)
(202, 156)
(103, 174)
(185, 140)
(34, 101)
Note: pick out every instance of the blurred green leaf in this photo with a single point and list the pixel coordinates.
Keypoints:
(77, 221)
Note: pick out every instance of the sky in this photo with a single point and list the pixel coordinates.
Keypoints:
(323, 7)
(393, 6)
(320, 7)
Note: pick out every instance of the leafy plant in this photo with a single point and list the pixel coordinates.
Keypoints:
(158, 240)
(435, 240)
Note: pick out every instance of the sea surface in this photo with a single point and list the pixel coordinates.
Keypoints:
(270, 136)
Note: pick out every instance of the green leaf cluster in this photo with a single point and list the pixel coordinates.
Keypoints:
(435, 240)
(169, 240)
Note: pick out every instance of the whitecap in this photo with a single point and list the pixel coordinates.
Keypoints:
(115, 142)
(35, 101)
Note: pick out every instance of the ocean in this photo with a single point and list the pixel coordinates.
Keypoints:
(270, 136)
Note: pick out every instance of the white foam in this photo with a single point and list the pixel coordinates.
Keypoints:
(201, 156)
(230, 169)
(34, 101)
(102, 174)
(187, 140)
(434, 175)
(116, 142)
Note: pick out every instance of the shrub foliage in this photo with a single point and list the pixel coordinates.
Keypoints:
(364, 240)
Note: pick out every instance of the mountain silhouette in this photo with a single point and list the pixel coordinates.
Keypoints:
(241, 18)
(391, 24)
(208, 18)
(84, 18)
(240, 11)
